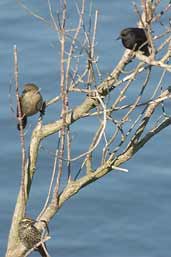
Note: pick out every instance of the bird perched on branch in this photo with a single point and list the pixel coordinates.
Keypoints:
(135, 39)
(31, 102)
(30, 236)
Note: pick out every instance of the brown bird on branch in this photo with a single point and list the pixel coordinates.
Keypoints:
(31, 102)
(30, 236)
(135, 39)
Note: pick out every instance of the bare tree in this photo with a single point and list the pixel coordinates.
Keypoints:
(132, 124)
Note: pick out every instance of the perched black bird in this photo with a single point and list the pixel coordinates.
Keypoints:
(29, 235)
(31, 102)
(135, 39)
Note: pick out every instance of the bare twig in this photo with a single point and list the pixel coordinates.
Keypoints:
(23, 167)
(64, 105)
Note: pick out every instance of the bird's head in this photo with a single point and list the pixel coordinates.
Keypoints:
(124, 33)
(30, 87)
(26, 222)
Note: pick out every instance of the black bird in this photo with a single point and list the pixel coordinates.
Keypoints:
(31, 102)
(29, 235)
(135, 39)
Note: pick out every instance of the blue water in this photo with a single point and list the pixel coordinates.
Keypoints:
(122, 215)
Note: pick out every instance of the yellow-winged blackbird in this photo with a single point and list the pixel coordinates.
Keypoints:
(29, 235)
(135, 39)
(31, 102)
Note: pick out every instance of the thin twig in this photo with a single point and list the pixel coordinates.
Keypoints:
(22, 141)
(63, 95)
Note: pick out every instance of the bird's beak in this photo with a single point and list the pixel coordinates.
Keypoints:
(118, 38)
(33, 222)
(37, 91)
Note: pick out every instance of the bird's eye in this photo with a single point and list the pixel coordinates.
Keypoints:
(124, 34)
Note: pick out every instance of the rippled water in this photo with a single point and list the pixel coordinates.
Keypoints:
(123, 215)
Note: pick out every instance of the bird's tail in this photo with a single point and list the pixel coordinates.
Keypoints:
(41, 250)
(23, 121)
(145, 49)
(23, 117)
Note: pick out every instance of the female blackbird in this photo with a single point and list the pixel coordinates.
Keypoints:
(135, 39)
(29, 235)
(31, 102)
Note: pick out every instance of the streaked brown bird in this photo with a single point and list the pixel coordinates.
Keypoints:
(31, 102)
(135, 39)
(29, 235)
